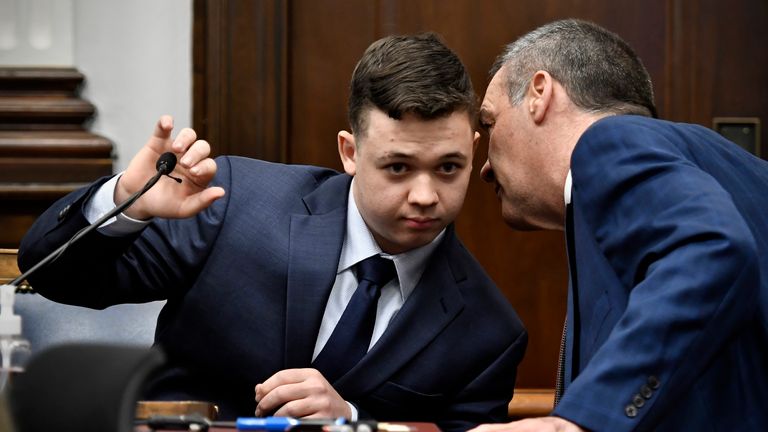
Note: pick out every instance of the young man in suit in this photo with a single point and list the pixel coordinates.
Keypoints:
(666, 230)
(259, 262)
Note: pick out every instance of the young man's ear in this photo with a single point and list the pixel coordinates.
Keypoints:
(475, 142)
(347, 151)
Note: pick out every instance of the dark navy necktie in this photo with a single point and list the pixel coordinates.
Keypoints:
(560, 384)
(350, 339)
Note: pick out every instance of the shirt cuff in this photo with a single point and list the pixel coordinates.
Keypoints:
(102, 202)
(352, 408)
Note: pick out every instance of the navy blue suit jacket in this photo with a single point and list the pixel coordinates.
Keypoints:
(669, 282)
(247, 282)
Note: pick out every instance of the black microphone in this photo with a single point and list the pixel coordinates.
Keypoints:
(165, 165)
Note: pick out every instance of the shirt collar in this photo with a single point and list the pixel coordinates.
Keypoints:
(568, 187)
(359, 244)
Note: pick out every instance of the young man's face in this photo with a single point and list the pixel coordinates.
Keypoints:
(411, 175)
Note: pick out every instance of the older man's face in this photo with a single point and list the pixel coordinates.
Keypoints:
(514, 160)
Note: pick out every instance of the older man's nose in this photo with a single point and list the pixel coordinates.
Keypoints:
(486, 173)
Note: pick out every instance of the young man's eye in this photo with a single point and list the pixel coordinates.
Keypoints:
(396, 168)
(449, 168)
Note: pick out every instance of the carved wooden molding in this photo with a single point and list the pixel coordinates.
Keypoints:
(45, 152)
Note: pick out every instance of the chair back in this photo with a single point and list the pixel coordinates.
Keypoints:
(46, 323)
(81, 387)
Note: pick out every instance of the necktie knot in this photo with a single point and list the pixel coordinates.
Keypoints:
(376, 270)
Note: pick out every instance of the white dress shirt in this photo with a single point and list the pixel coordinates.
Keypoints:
(102, 202)
(359, 245)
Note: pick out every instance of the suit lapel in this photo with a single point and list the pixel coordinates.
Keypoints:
(315, 246)
(434, 303)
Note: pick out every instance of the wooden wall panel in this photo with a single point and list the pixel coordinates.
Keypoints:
(239, 71)
(704, 57)
(716, 63)
(322, 58)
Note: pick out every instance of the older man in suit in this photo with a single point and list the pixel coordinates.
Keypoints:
(666, 230)
(260, 262)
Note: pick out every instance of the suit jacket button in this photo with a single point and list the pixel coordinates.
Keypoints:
(646, 391)
(630, 411)
(638, 401)
(653, 382)
(63, 213)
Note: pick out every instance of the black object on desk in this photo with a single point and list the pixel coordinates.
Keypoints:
(81, 387)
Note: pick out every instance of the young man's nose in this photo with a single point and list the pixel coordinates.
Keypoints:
(423, 191)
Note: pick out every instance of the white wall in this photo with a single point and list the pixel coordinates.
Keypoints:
(36, 32)
(136, 56)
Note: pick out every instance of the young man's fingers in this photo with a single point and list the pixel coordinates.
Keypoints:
(203, 171)
(285, 376)
(200, 201)
(161, 132)
(198, 151)
(296, 408)
(184, 140)
(279, 396)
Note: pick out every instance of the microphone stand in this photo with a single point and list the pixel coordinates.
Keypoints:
(165, 165)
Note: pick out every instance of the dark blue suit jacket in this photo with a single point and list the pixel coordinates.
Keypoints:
(247, 282)
(669, 254)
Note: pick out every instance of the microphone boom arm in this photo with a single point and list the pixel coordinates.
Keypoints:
(165, 165)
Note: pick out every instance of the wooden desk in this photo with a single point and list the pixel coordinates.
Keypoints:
(414, 427)
(531, 403)
(9, 270)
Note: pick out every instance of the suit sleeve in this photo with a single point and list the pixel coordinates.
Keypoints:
(159, 262)
(687, 259)
(486, 398)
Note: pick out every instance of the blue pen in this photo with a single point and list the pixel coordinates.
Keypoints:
(266, 423)
(283, 423)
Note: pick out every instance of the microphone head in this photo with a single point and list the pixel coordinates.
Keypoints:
(166, 162)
